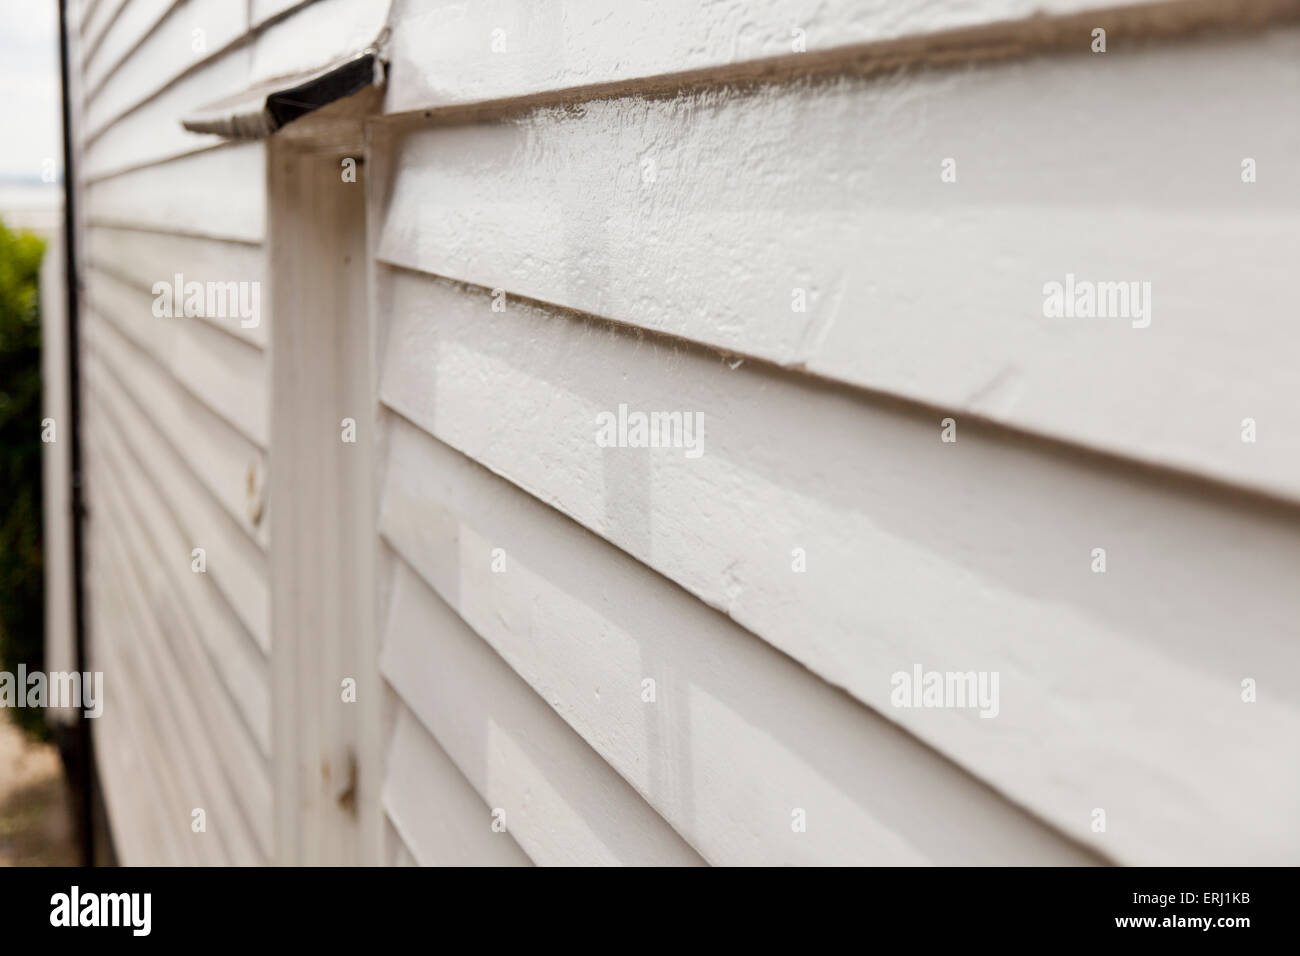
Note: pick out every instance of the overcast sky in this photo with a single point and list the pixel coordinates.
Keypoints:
(30, 118)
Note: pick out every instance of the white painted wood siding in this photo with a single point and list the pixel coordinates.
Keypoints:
(178, 417)
(178, 413)
(647, 249)
(643, 191)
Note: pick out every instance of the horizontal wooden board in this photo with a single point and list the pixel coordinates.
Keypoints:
(129, 785)
(218, 193)
(227, 375)
(563, 804)
(231, 467)
(263, 10)
(142, 123)
(154, 132)
(134, 795)
(237, 754)
(125, 33)
(94, 20)
(158, 679)
(715, 215)
(586, 625)
(192, 32)
(317, 35)
(439, 816)
(151, 727)
(451, 54)
(235, 562)
(144, 258)
(191, 600)
(972, 556)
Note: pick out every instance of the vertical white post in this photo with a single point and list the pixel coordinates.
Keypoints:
(322, 520)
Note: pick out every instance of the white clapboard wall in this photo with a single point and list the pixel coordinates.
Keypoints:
(175, 444)
(177, 415)
(644, 245)
(827, 230)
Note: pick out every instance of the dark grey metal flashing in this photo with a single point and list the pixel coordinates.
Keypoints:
(259, 112)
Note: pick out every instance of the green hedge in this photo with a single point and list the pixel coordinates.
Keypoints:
(22, 603)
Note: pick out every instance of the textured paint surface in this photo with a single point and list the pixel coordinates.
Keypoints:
(446, 54)
(964, 557)
(706, 216)
(709, 753)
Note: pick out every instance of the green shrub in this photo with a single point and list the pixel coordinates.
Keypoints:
(22, 605)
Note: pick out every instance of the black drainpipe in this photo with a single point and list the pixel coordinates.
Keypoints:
(80, 761)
